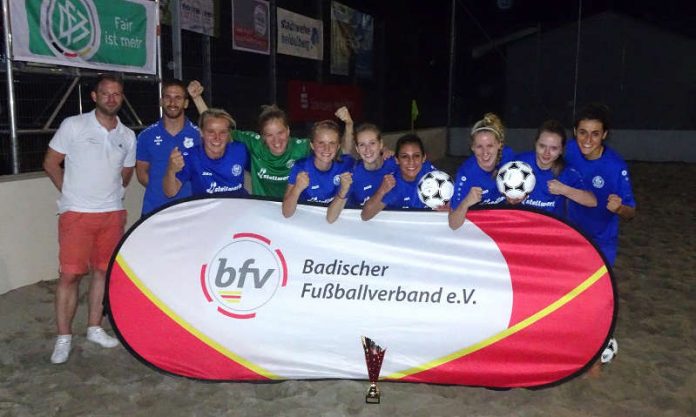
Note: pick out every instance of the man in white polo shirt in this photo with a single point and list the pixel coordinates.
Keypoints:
(98, 152)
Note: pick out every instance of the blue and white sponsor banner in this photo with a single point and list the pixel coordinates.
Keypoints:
(299, 35)
(113, 35)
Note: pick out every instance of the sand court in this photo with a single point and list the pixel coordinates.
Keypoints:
(653, 375)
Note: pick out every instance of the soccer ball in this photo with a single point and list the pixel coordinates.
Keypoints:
(515, 179)
(435, 189)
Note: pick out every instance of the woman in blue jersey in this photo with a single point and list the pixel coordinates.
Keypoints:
(606, 174)
(555, 181)
(215, 167)
(400, 190)
(475, 178)
(368, 173)
(317, 178)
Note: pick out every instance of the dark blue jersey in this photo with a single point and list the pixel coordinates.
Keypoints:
(605, 175)
(470, 175)
(366, 182)
(216, 176)
(404, 195)
(540, 197)
(155, 145)
(323, 185)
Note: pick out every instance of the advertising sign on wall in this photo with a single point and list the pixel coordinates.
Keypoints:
(198, 16)
(116, 35)
(300, 35)
(310, 101)
(352, 34)
(250, 26)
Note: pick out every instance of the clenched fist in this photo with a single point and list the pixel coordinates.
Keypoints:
(195, 89)
(176, 161)
(302, 181)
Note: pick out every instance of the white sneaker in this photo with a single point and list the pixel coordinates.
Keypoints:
(97, 335)
(610, 351)
(61, 350)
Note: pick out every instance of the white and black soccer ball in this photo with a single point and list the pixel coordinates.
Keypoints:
(515, 179)
(435, 189)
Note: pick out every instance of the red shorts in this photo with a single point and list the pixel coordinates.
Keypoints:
(87, 240)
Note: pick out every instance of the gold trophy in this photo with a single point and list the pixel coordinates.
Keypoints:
(374, 355)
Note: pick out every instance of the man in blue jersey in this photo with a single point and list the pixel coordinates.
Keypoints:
(157, 141)
(606, 174)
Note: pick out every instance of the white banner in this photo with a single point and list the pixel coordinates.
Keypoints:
(300, 35)
(114, 35)
(240, 292)
(198, 16)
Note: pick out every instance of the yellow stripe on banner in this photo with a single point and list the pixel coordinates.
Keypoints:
(183, 323)
(229, 292)
(507, 332)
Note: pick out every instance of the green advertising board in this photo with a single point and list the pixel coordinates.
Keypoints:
(108, 34)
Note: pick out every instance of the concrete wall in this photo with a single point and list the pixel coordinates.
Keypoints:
(29, 228)
(434, 140)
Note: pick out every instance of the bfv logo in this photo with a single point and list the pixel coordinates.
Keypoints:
(226, 275)
(244, 275)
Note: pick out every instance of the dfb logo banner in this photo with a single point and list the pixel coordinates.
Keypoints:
(228, 289)
(116, 35)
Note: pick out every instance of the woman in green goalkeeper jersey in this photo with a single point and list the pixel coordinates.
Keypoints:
(273, 152)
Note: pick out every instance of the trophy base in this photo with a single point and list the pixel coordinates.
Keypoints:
(373, 395)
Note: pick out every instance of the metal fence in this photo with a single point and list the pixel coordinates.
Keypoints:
(44, 97)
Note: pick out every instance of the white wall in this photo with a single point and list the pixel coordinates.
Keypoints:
(29, 228)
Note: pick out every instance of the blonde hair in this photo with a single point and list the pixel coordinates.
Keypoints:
(213, 113)
(491, 123)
